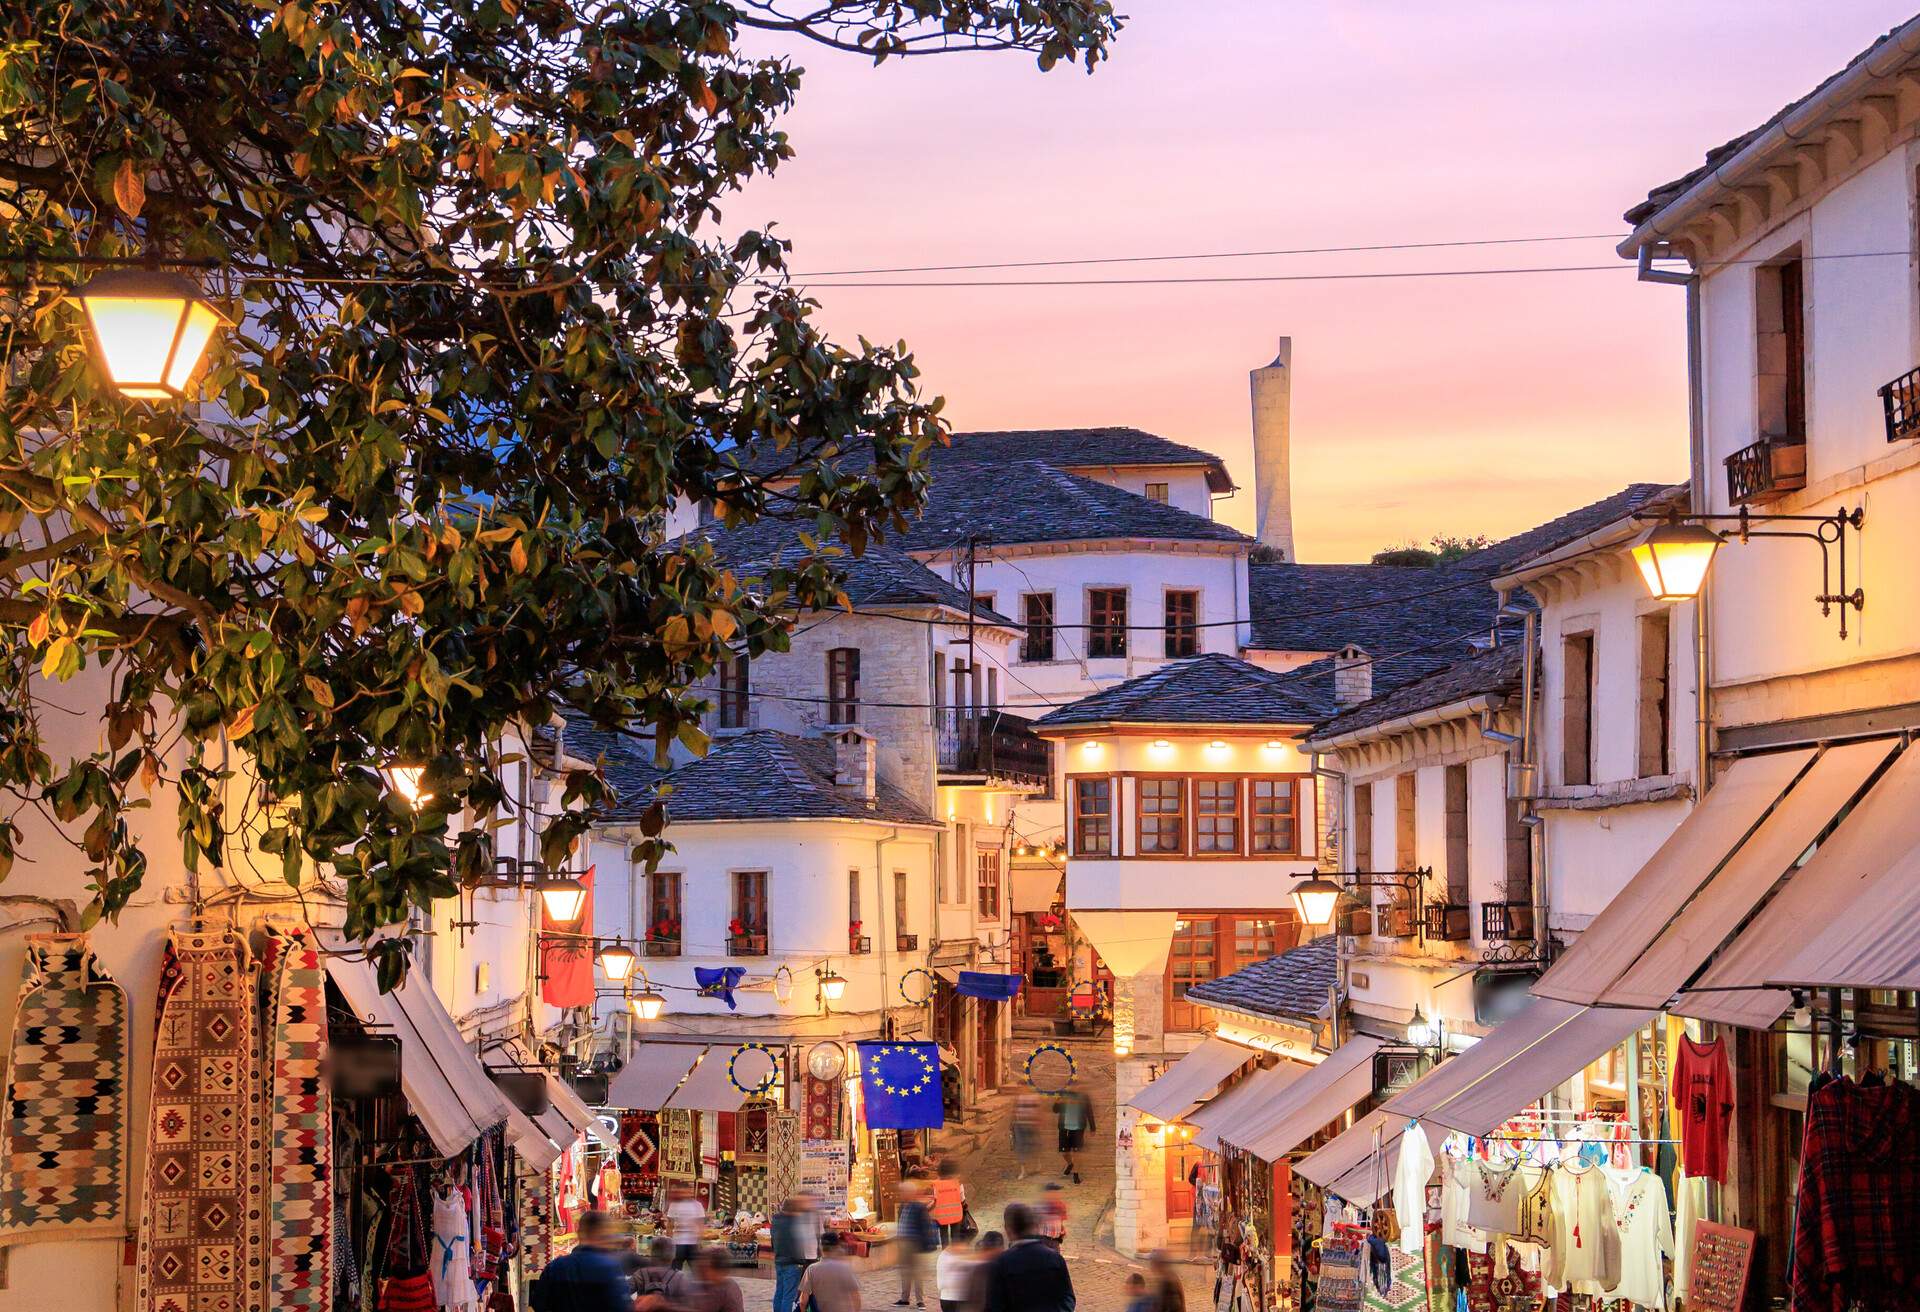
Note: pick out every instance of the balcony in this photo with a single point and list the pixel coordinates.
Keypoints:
(746, 945)
(1901, 398)
(1447, 922)
(1766, 471)
(1395, 920)
(1506, 922)
(1355, 922)
(662, 946)
(991, 746)
(906, 942)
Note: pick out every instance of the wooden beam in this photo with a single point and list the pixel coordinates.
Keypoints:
(1853, 134)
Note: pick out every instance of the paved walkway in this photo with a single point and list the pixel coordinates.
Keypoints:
(992, 1174)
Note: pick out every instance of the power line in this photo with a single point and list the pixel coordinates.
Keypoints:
(1219, 255)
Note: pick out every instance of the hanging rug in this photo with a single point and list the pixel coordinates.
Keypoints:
(299, 1152)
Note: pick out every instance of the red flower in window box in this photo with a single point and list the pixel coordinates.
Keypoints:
(736, 927)
(664, 928)
(1049, 921)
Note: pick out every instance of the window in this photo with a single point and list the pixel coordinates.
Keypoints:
(1456, 835)
(1406, 797)
(1274, 805)
(1256, 940)
(663, 907)
(987, 863)
(1656, 696)
(1162, 816)
(1037, 616)
(962, 844)
(747, 934)
(1183, 621)
(1093, 817)
(853, 901)
(1192, 959)
(1216, 815)
(1362, 826)
(734, 692)
(1576, 709)
(900, 905)
(983, 600)
(1157, 492)
(1519, 858)
(1780, 340)
(1106, 622)
(843, 685)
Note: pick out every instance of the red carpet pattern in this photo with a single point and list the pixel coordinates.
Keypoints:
(63, 1143)
(299, 1156)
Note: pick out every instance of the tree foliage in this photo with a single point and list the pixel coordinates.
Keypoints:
(1440, 549)
(488, 332)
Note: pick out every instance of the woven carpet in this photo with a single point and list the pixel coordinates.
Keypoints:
(299, 1150)
(63, 1144)
(783, 1156)
(201, 1211)
(536, 1217)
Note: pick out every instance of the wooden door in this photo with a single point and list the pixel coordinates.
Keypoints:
(1181, 1158)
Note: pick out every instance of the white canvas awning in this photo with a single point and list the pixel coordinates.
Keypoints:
(529, 1136)
(1628, 925)
(1358, 1164)
(1534, 1053)
(447, 1089)
(1317, 1099)
(1191, 1080)
(707, 1088)
(651, 1075)
(1034, 888)
(1239, 1101)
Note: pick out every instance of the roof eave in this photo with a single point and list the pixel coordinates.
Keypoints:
(1460, 709)
(1618, 533)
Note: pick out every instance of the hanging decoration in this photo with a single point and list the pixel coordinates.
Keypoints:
(767, 1082)
(566, 952)
(900, 1083)
(719, 982)
(1034, 1056)
(987, 986)
(924, 998)
(299, 1161)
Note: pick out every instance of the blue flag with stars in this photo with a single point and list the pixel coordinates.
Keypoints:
(901, 1084)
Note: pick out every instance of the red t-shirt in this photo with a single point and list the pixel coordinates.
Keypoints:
(1703, 1107)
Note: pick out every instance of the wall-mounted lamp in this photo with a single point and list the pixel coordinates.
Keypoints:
(1273, 745)
(1673, 555)
(1092, 747)
(1429, 1034)
(617, 960)
(409, 782)
(1316, 899)
(832, 986)
(646, 1004)
(150, 328)
(1159, 746)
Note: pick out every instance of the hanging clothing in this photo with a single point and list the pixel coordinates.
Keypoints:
(1410, 1178)
(1855, 1241)
(1690, 1206)
(1703, 1100)
(1458, 1175)
(450, 1254)
(1585, 1252)
(1494, 1195)
(1502, 1285)
(1646, 1235)
(1536, 1211)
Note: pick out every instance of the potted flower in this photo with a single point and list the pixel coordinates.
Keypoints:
(1063, 1019)
(743, 941)
(857, 944)
(663, 937)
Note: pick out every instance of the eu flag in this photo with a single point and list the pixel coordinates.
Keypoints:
(987, 987)
(901, 1084)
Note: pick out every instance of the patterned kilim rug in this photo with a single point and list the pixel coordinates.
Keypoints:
(783, 1157)
(201, 1212)
(63, 1143)
(536, 1217)
(299, 1158)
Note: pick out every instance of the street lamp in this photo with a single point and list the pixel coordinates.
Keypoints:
(563, 896)
(1316, 899)
(646, 1004)
(1673, 559)
(832, 986)
(1673, 555)
(617, 959)
(1424, 1033)
(410, 782)
(151, 329)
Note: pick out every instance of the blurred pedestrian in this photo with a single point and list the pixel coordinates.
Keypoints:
(653, 1284)
(914, 1236)
(796, 1246)
(710, 1288)
(1030, 1276)
(829, 1284)
(953, 1275)
(1138, 1299)
(589, 1279)
(687, 1219)
(1075, 1115)
(991, 1245)
(1052, 1214)
(1168, 1293)
(1026, 1128)
(949, 1199)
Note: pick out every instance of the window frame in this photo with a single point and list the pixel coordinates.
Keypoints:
(733, 683)
(738, 903)
(1166, 493)
(1077, 817)
(1104, 633)
(671, 880)
(843, 685)
(1653, 696)
(1301, 849)
(1239, 816)
(1179, 641)
(1181, 817)
(1032, 649)
(1587, 644)
(987, 858)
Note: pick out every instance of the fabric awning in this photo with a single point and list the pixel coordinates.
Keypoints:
(1033, 888)
(1628, 925)
(988, 986)
(447, 1089)
(707, 1088)
(1190, 1081)
(1317, 1099)
(651, 1075)
(1239, 1101)
(1849, 918)
(1740, 885)
(951, 974)
(1358, 1164)
(538, 1139)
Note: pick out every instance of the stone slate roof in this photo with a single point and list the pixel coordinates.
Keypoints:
(1063, 448)
(1667, 192)
(1498, 670)
(758, 775)
(882, 575)
(1007, 503)
(1294, 985)
(1210, 689)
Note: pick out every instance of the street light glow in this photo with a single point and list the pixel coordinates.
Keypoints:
(151, 330)
(1673, 559)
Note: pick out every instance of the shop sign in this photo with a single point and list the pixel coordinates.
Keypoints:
(526, 1090)
(825, 1166)
(591, 1086)
(1394, 1071)
(1500, 995)
(365, 1065)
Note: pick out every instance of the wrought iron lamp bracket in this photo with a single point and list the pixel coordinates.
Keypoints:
(1828, 531)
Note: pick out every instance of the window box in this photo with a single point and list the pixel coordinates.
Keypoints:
(1355, 922)
(1446, 922)
(906, 942)
(1396, 920)
(663, 947)
(1766, 471)
(1901, 397)
(746, 945)
(1506, 922)
(859, 945)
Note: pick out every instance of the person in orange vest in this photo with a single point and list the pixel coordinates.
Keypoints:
(949, 1205)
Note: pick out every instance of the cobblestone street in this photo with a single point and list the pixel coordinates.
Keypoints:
(993, 1178)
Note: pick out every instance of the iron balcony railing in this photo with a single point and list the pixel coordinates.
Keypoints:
(1506, 922)
(994, 744)
(1901, 398)
(1447, 922)
(1769, 468)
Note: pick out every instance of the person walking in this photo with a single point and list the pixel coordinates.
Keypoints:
(687, 1220)
(914, 1236)
(796, 1246)
(953, 1275)
(829, 1285)
(949, 1199)
(590, 1278)
(1052, 1216)
(710, 1289)
(1026, 1129)
(1168, 1293)
(991, 1245)
(1075, 1115)
(1138, 1300)
(654, 1284)
(1030, 1276)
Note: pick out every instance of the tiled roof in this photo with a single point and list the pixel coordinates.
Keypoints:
(1025, 501)
(882, 575)
(1294, 985)
(758, 775)
(1063, 448)
(1210, 689)
(1498, 670)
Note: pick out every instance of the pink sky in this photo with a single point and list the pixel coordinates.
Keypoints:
(1455, 405)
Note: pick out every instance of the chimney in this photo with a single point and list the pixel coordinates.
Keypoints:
(1272, 451)
(853, 763)
(1352, 677)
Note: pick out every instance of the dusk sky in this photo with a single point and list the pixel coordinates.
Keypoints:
(1420, 406)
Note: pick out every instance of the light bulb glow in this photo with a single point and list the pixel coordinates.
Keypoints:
(646, 1005)
(1316, 899)
(1160, 747)
(832, 987)
(563, 896)
(1092, 747)
(617, 960)
(150, 329)
(409, 781)
(1673, 559)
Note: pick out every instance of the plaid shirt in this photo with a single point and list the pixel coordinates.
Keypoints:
(1855, 1239)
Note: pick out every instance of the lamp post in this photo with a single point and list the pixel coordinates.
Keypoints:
(832, 987)
(150, 330)
(1673, 556)
(1316, 899)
